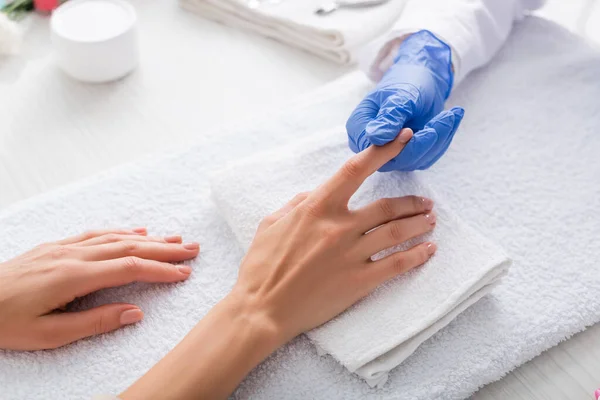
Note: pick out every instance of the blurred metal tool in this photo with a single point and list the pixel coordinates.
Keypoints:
(329, 7)
(259, 3)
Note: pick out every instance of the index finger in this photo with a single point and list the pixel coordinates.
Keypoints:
(358, 168)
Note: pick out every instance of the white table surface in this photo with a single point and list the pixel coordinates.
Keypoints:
(195, 76)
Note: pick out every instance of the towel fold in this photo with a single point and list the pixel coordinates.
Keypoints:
(335, 37)
(380, 332)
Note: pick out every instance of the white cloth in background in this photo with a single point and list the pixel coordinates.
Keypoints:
(380, 332)
(474, 29)
(523, 170)
(336, 36)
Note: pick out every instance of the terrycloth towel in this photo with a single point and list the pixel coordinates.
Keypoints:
(380, 332)
(294, 22)
(523, 170)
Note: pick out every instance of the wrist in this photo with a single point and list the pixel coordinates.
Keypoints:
(248, 313)
(425, 50)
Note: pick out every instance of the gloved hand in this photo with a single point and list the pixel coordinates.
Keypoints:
(411, 94)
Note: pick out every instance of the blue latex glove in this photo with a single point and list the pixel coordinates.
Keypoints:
(411, 94)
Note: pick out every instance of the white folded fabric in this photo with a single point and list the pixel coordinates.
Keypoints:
(335, 36)
(380, 332)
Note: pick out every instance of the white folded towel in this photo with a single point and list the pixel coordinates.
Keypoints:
(380, 332)
(294, 22)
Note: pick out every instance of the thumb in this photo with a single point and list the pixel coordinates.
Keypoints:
(61, 329)
(364, 113)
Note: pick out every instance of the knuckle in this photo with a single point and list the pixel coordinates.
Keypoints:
(112, 237)
(89, 235)
(386, 206)
(129, 246)
(42, 246)
(417, 203)
(132, 264)
(268, 220)
(301, 196)
(101, 325)
(396, 232)
(59, 252)
(351, 168)
(423, 254)
(311, 209)
(399, 263)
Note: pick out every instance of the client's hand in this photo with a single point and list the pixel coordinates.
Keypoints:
(309, 262)
(35, 285)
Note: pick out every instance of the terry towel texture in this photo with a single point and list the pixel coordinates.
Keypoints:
(523, 170)
(335, 37)
(380, 332)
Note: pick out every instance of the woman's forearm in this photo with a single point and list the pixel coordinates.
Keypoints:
(213, 358)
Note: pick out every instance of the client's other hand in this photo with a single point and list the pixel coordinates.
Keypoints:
(311, 260)
(35, 285)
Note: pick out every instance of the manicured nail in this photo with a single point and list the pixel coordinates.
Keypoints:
(184, 269)
(191, 246)
(405, 135)
(427, 203)
(141, 231)
(131, 316)
(173, 239)
(431, 218)
(431, 248)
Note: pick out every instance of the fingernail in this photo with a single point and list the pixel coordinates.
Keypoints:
(191, 246)
(431, 248)
(597, 394)
(427, 204)
(431, 218)
(131, 316)
(173, 239)
(184, 269)
(140, 230)
(405, 135)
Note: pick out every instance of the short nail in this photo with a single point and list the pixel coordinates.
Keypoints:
(174, 238)
(191, 246)
(131, 316)
(405, 135)
(431, 218)
(140, 230)
(431, 248)
(427, 203)
(184, 269)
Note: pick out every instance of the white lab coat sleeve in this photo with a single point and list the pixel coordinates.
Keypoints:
(474, 30)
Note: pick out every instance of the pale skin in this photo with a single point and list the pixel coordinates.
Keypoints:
(309, 261)
(37, 284)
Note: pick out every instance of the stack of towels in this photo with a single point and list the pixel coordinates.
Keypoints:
(380, 332)
(336, 36)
